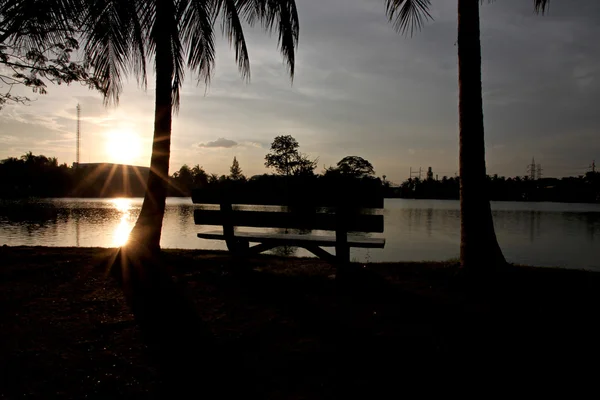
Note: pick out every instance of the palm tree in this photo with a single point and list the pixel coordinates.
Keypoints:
(478, 244)
(119, 38)
(121, 35)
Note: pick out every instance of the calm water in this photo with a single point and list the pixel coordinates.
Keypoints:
(544, 234)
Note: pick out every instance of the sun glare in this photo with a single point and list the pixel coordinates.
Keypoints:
(123, 147)
(122, 204)
(121, 232)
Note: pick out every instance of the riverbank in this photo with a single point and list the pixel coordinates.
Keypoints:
(289, 330)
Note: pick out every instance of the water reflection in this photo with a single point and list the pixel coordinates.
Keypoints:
(529, 233)
(121, 204)
(126, 222)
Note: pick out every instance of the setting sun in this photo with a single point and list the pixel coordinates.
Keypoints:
(123, 147)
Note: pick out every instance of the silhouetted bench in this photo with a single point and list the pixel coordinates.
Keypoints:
(330, 209)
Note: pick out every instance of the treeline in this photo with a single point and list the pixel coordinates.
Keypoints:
(34, 176)
(40, 176)
(294, 174)
(582, 189)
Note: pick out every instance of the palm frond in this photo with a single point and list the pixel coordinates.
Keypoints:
(197, 34)
(138, 39)
(115, 43)
(233, 30)
(36, 23)
(408, 15)
(107, 45)
(281, 15)
(541, 6)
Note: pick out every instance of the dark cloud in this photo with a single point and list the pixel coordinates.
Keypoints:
(220, 142)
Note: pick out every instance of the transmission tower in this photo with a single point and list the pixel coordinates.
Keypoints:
(531, 169)
(78, 150)
(538, 171)
(415, 173)
(593, 166)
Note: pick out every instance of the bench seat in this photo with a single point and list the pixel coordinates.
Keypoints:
(289, 239)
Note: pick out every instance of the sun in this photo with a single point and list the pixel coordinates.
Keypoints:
(123, 146)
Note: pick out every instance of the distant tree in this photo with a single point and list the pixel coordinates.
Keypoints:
(223, 178)
(184, 178)
(385, 182)
(200, 176)
(31, 175)
(235, 172)
(304, 166)
(213, 178)
(284, 151)
(286, 159)
(355, 166)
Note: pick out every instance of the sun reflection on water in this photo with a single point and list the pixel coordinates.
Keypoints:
(121, 232)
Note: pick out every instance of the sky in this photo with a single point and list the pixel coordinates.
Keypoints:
(359, 89)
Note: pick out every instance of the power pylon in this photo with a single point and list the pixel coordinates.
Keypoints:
(531, 169)
(415, 173)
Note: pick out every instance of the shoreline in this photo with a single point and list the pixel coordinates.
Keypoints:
(17, 199)
(288, 330)
(449, 263)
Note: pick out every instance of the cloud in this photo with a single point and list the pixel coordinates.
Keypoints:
(220, 142)
(256, 144)
(7, 139)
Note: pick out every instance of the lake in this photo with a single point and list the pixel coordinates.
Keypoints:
(541, 234)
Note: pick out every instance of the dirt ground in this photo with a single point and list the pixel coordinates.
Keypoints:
(292, 332)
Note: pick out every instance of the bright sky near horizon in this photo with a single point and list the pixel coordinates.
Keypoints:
(360, 89)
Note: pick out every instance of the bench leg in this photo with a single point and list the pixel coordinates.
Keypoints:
(238, 246)
(342, 261)
(322, 254)
(259, 248)
(342, 253)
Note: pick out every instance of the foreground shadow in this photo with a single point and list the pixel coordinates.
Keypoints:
(281, 329)
(371, 335)
(180, 343)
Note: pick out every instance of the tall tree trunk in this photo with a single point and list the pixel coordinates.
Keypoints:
(147, 229)
(478, 244)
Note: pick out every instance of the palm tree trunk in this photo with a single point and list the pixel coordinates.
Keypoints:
(147, 229)
(478, 244)
(179, 341)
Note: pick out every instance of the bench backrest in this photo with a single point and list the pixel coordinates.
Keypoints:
(350, 209)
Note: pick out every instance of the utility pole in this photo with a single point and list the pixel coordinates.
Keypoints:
(78, 150)
(593, 166)
(531, 169)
